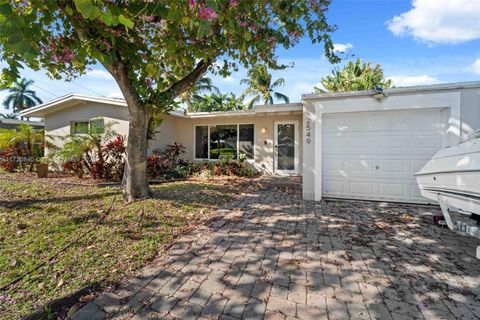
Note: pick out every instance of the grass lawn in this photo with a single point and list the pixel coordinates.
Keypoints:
(37, 219)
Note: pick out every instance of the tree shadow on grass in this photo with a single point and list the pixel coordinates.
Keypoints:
(35, 203)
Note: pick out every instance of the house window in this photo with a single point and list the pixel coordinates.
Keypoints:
(221, 141)
(245, 140)
(201, 142)
(97, 126)
(80, 127)
(84, 127)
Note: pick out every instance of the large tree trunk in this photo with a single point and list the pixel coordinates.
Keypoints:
(135, 180)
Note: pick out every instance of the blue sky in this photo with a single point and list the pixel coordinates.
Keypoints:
(416, 42)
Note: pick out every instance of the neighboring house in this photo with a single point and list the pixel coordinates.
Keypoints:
(13, 123)
(358, 145)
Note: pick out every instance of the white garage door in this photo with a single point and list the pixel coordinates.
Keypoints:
(373, 155)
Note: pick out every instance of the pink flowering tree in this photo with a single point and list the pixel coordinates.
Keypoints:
(154, 49)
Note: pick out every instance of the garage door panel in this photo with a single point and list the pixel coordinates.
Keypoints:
(427, 142)
(362, 188)
(395, 190)
(374, 155)
(399, 120)
(362, 166)
(335, 187)
(398, 142)
(415, 193)
(393, 166)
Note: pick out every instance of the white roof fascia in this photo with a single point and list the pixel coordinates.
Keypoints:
(399, 90)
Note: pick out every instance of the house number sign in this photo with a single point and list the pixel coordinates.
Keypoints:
(308, 131)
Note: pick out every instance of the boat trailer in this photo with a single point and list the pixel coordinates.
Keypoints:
(457, 226)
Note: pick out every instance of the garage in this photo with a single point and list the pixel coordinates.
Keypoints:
(373, 155)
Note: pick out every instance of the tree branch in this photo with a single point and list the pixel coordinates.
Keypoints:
(187, 82)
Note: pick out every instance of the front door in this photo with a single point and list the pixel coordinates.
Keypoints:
(286, 147)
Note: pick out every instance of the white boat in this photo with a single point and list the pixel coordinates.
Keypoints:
(452, 177)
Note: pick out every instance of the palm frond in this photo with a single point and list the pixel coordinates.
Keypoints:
(277, 83)
(281, 97)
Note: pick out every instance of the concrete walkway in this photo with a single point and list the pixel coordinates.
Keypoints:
(274, 256)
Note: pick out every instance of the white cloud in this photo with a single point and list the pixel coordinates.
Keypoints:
(342, 47)
(439, 21)
(475, 67)
(98, 73)
(405, 81)
(228, 79)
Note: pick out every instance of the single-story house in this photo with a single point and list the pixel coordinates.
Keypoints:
(356, 145)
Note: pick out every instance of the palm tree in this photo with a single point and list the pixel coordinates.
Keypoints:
(217, 102)
(202, 85)
(354, 76)
(261, 87)
(8, 116)
(21, 97)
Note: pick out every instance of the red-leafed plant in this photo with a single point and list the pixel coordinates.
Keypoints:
(101, 153)
(166, 163)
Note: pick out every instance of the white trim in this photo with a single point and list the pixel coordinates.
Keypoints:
(238, 124)
(296, 146)
(75, 98)
(399, 90)
(318, 181)
(44, 108)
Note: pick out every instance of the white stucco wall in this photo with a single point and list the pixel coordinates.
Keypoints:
(58, 123)
(470, 110)
(264, 142)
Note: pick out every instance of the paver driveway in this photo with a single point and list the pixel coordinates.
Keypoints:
(275, 256)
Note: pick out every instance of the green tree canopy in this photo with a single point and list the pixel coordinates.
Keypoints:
(20, 96)
(354, 76)
(155, 50)
(217, 102)
(202, 85)
(261, 87)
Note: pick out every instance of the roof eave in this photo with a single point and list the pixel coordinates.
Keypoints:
(54, 105)
(399, 90)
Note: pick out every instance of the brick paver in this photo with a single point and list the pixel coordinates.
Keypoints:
(275, 256)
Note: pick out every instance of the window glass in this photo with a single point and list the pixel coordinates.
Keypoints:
(201, 142)
(286, 147)
(80, 127)
(223, 141)
(97, 126)
(246, 144)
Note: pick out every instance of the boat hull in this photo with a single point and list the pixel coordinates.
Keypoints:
(454, 173)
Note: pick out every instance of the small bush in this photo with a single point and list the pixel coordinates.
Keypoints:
(223, 167)
(114, 162)
(157, 167)
(166, 163)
